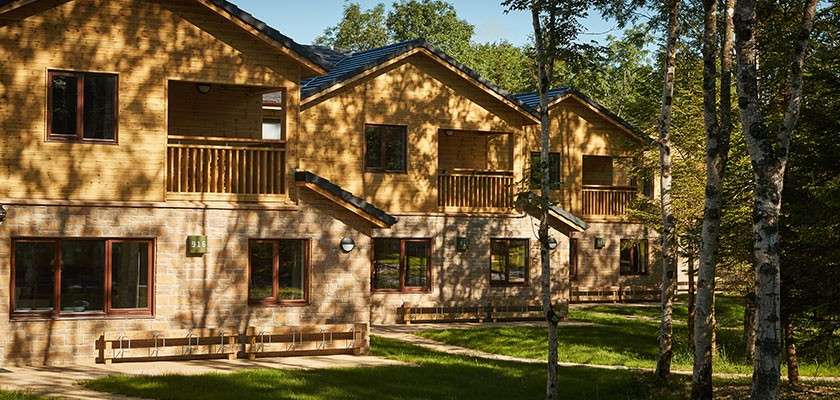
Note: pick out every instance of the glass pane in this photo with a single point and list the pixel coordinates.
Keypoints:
(272, 130)
(82, 275)
(386, 264)
(395, 148)
(262, 271)
(373, 147)
(34, 276)
(597, 170)
(130, 275)
(554, 168)
(626, 257)
(100, 106)
(292, 269)
(417, 264)
(517, 261)
(63, 108)
(498, 260)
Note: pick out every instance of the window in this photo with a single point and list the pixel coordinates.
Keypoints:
(274, 116)
(573, 259)
(634, 257)
(385, 148)
(508, 261)
(279, 271)
(554, 170)
(97, 276)
(597, 171)
(401, 265)
(82, 106)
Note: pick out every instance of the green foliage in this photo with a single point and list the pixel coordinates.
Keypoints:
(435, 21)
(502, 63)
(357, 30)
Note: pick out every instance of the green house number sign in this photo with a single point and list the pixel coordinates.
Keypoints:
(197, 245)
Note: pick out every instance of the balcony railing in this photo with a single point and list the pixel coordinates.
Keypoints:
(225, 168)
(607, 201)
(475, 190)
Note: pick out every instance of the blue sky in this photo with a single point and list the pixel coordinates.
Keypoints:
(303, 20)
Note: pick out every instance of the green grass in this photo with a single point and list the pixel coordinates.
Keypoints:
(621, 335)
(19, 396)
(427, 375)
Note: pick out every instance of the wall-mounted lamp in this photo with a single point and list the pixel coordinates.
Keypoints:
(462, 244)
(203, 88)
(347, 244)
(552, 243)
(600, 243)
(2, 214)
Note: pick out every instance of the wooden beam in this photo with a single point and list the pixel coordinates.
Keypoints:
(338, 200)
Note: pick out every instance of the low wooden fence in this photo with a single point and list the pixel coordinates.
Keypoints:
(408, 314)
(204, 344)
(613, 294)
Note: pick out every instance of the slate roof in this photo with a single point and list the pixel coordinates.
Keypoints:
(570, 217)
(335, 190)
(262, 27)
(532, 100)
(351, 64)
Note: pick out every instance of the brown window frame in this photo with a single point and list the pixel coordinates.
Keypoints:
(558, 158)
(403, 288)
(506, 281)
(380, 169)
(79, 137)
(282, 119)
(107, 309)
(275, 289)
(640, 245)
(574, 258)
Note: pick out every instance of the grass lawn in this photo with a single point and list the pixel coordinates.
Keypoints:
(624, 335)
(429, 375)
(19, 396)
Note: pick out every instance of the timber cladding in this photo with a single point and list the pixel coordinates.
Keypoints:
(149, 43)
(419, 94)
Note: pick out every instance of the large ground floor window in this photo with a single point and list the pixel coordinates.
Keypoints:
(278, 272)
(634, 257)
(75, 277)
(401, 265)
(508, 261)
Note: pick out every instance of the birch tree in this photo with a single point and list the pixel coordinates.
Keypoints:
(666, 342)
(769, 148)
(718, 137)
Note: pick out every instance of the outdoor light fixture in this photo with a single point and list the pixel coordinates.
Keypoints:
(347, 244)
(552, 243)
(203, 88)
(2, 214)
(600, 243)
(461, 244)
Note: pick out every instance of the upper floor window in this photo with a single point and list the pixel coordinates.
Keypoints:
(386, 148)
(508, 261)
(555, 178)
(274, 116)
(401, 265)
(278, 271)
(634, 257)
(82, 106)
(597, 171)
(61, 277)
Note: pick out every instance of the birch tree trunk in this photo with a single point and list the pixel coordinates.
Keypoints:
(716, 152)
(691, 301)
(749, 327)
(768, 149)
(551, 318)
(666, 342)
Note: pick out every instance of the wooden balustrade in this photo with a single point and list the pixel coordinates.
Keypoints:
(475, 190)
(248, 169)
(607, 201)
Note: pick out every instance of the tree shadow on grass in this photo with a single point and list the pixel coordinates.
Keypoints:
(430, 375)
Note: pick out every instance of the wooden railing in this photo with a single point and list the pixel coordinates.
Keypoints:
(607, 201)
(221, 167)
(475, 190)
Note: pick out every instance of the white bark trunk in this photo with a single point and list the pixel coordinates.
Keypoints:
(551, 318)
(769, 153)
(666, 342)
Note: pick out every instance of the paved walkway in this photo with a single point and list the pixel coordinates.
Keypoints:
(63, 381)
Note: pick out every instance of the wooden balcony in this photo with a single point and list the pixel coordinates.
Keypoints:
(462, 190)
(607, 202)
(225, 169)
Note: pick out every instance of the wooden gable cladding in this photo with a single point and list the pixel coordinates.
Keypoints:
(147, 44)
(578, 130)
(418, 93)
